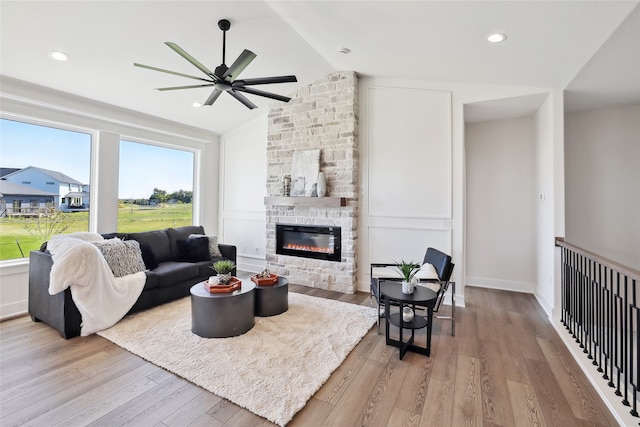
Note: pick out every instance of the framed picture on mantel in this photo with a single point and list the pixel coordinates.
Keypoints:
(304, 173)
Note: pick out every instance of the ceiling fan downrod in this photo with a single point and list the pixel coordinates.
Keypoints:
(224, 25)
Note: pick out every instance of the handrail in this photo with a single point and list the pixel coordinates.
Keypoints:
(620, 268)
(600, 307)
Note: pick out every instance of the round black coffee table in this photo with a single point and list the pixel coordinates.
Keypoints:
(272, 299)
(224, 314)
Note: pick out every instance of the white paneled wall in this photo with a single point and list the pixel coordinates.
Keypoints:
(243, 176)
(409, 153)
(406, 175)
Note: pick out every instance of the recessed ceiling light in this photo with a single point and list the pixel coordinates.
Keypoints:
(196, 105)
(497, 37)
(59, 56)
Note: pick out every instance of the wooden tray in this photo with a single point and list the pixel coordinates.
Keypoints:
(265, 281)
(232, 285)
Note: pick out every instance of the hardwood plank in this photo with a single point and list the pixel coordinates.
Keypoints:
(335, 387)
(467, 400)
(384, 395)
(313, 414)
(513, 364)
(496, 407)
(401, 418)
(192, 410)
(348, 410)
(438, 407)
(99, 406)
(468, 334)
(564, 369)
(413, 391)
(446, 356)
(526, 336)
(526, 408)
(129, 411)
(554, 405)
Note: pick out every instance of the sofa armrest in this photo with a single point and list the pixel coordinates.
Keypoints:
(229, 252)
(57, 311)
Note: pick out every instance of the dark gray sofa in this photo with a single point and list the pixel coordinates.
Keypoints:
(169, 280)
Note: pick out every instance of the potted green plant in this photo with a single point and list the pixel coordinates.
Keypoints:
(223, 267)
(408, 271)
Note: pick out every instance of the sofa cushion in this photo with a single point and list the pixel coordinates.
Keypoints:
(170, 273)
(176, 234)
(158, 241)
(193, 250)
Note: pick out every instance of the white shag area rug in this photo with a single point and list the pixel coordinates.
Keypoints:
(272, 370)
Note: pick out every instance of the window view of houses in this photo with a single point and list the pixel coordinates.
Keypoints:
(31, 190)
(45, 190)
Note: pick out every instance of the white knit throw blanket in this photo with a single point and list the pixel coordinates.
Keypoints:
(101, 298)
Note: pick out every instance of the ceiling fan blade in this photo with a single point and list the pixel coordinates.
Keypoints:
(239, 65)
(190, 58)
(169, 72)
(184, 87)
(265, 80)
(240, 97)
(212, 98)
(263, 93)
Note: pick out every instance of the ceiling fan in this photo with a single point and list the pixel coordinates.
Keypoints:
(224, 79)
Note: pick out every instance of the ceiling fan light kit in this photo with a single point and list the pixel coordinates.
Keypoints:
(225, 79)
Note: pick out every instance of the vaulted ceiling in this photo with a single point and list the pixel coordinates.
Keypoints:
(548, 45)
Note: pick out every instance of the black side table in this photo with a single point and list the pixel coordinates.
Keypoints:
(272, 299)
(421, 297)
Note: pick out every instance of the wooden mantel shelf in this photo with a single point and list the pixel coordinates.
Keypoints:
(325, 202)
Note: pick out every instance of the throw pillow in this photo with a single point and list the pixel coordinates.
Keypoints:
(214, 250)
(123, 258)
(148, 256)
(193, 250)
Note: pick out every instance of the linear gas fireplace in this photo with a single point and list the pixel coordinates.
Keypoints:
(307, 241)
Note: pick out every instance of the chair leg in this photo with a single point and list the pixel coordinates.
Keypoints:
(453, 310)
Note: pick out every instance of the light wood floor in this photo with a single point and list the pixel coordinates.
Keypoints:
(506, 366)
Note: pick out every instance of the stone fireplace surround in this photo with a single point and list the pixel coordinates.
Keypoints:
(323, 115)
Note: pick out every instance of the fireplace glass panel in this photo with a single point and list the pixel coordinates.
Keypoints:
(308, 241)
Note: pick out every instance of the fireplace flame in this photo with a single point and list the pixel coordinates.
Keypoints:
(308, 248)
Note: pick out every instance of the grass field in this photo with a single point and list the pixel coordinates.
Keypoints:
(15, 236)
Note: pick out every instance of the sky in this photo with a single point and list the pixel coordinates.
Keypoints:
(143, 167)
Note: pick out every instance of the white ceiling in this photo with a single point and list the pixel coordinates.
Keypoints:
(548, 44)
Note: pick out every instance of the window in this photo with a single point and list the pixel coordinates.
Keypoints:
(30, 153)
(155, 187)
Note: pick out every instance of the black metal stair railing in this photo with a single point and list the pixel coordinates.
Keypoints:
(600, 310)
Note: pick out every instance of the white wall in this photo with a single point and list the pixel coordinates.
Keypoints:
(501, 204)
(550, 205)
(602, 156)
(108, 124)
(243, 187)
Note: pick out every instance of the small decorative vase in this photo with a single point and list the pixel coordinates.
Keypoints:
(286, 186)
(223, 279)
(407, 287)
(407, 314)
(322, 185)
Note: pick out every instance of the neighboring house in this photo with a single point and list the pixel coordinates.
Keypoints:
(70, 194)
(23, 200)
